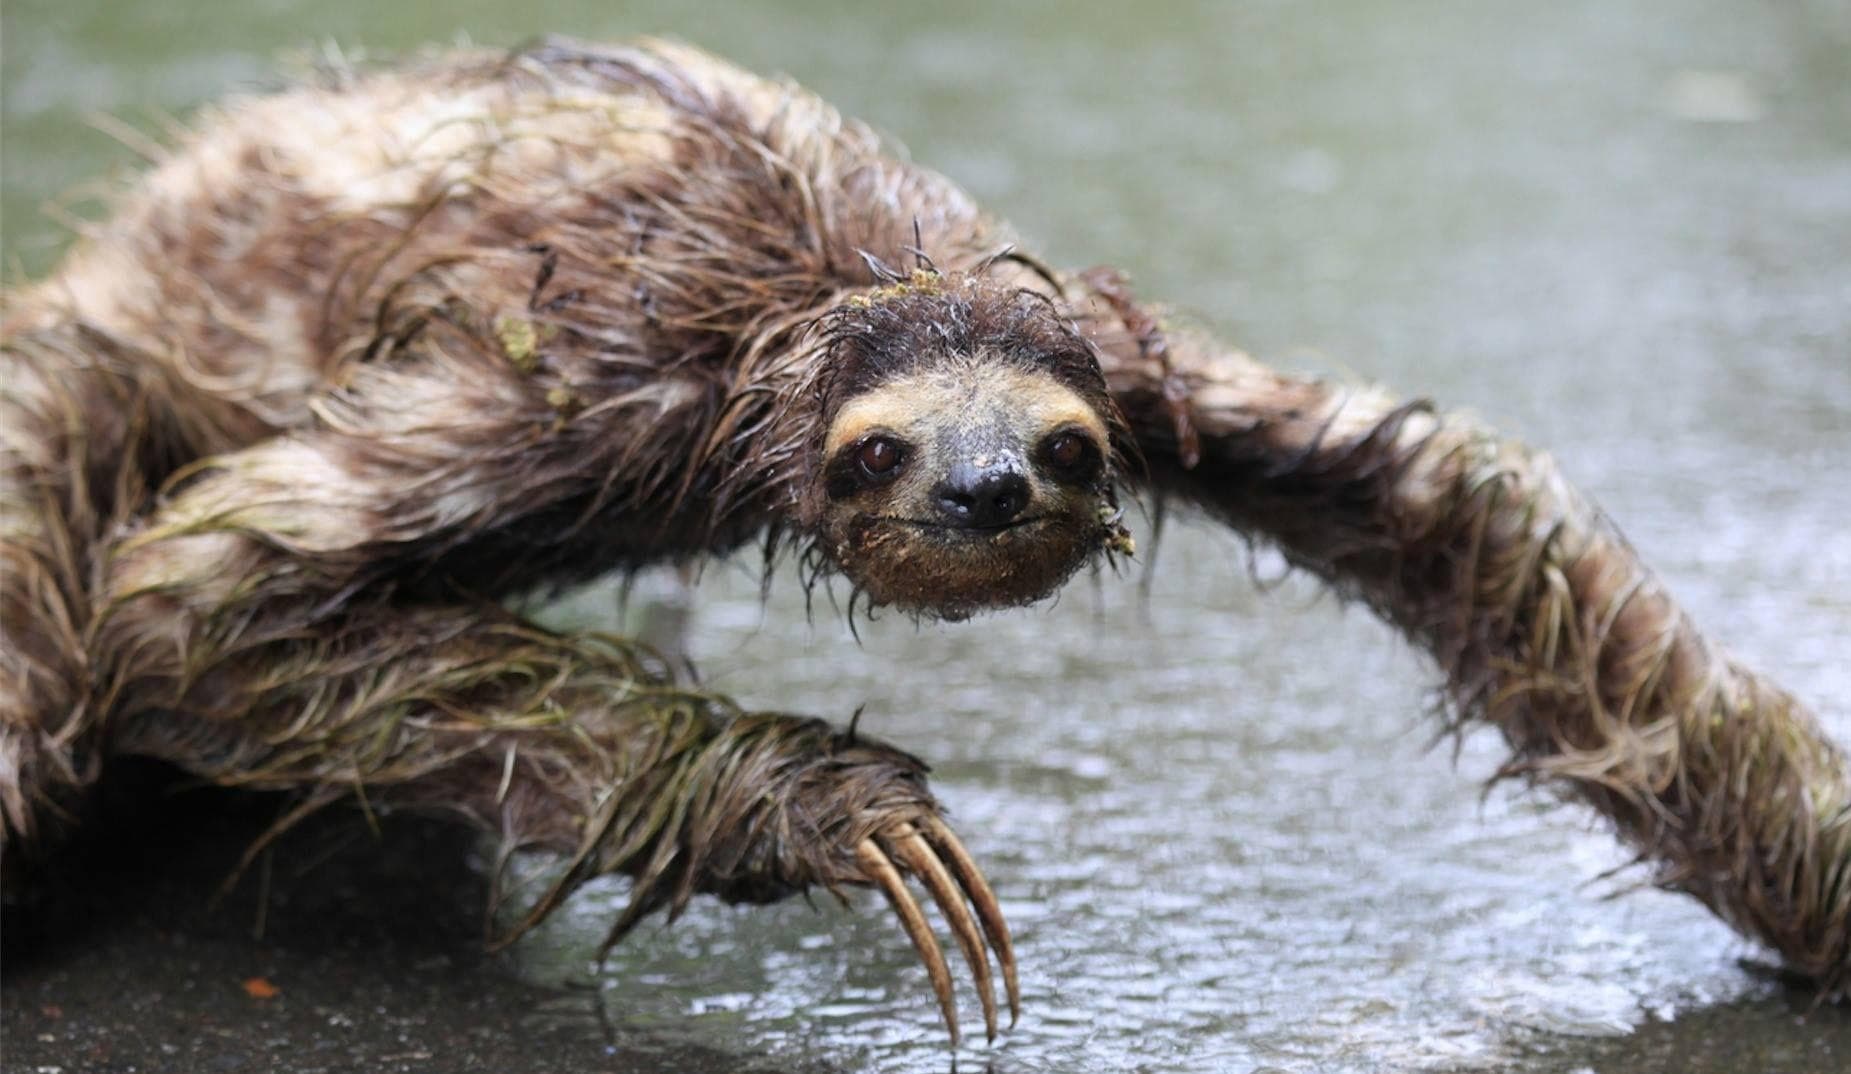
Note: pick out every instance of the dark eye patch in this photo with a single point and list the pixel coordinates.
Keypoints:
(872, 461)
(1066, 450)
(878, 457)
(1070, 455)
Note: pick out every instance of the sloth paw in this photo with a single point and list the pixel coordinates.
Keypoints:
(761, 807)
(931, 852)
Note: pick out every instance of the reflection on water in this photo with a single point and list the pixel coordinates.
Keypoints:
(1212, 814)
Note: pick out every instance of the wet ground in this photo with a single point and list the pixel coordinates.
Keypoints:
(1212, 812)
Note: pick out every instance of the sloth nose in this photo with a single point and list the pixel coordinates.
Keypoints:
(982, 498)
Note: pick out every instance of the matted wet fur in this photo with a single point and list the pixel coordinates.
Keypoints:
(361, 358)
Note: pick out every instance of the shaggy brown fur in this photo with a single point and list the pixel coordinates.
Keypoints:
(1543, 619)
(360, 358)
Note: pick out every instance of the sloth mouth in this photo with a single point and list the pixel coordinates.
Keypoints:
(949, 571)
(948, 529)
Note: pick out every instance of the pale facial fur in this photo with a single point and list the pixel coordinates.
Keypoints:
(907, 536)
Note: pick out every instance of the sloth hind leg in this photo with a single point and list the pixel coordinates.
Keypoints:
(586, 745)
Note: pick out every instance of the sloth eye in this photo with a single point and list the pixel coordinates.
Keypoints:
(878, 457)
(1067, 450)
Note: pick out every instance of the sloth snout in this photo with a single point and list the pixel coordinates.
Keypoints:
(985, 498)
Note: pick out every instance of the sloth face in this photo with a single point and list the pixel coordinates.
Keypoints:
(968, 457)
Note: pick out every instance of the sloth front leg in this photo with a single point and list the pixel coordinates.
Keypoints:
(255, 631)
(587, 747)
(1542, 617)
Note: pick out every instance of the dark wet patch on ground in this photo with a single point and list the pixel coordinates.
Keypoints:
(1727, 1038)
(371, 943)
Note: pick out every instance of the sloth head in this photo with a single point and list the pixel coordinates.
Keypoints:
(968, 447)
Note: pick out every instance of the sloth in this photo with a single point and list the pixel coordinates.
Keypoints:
(968, 450)
(359, 364)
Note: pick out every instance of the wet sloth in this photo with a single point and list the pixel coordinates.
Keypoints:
(359, 360)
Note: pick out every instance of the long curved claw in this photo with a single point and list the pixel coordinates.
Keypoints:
(912, 851)
(879, 869)
(989, 911)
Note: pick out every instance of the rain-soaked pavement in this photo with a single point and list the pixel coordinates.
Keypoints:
(1212, 812)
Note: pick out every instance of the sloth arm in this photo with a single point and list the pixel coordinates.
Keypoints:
(587, 747)
(313, 608)
(271, 625)
(1542, 618)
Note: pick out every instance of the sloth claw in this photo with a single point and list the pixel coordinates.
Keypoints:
(989, 911)
(949, 874)
(913, 852)
(881, 870)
